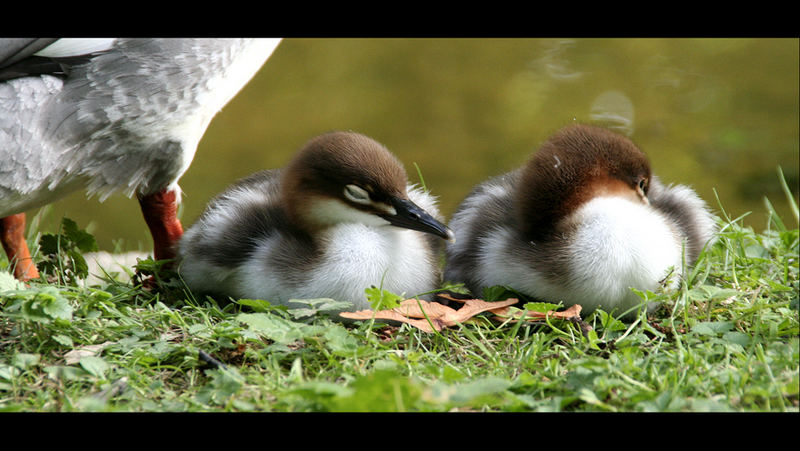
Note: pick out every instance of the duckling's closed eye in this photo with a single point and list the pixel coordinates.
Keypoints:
(355, 193)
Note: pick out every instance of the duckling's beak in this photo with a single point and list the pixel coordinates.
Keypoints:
(410, 216)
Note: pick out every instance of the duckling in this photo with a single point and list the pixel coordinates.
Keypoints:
(341, 217)
(581, 223)
(109, 114)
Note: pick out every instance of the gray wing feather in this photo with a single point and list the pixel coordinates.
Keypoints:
(14, 50)
(687, 211)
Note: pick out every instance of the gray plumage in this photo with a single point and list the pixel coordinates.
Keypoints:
(127, 117)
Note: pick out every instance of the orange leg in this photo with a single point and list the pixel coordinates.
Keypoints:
(160, 213)
(12, 234)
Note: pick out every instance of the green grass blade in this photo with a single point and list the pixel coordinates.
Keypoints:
(789, 197)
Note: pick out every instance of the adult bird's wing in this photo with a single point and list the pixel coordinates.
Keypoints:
(13, 50)
(20, 57)
(17, 57)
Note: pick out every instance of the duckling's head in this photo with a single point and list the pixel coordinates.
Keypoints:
(573, 166)
(346, 177)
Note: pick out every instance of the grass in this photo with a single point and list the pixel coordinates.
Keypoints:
(726, 341)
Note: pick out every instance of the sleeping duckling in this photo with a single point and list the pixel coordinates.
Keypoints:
(340, 218)
(581, 223)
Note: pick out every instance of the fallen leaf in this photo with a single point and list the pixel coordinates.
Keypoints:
(430, 316)
(570, 313)
(76, 355)
(433, 316)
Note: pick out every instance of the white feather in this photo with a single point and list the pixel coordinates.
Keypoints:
(331, 211)
(65, 47)
(356, 256)
(618, 244)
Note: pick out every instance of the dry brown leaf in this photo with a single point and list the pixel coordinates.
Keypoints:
(414, 308)
(474, 306)
(394, 316)
(429, 316)
(570, 313)
(408, 312)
